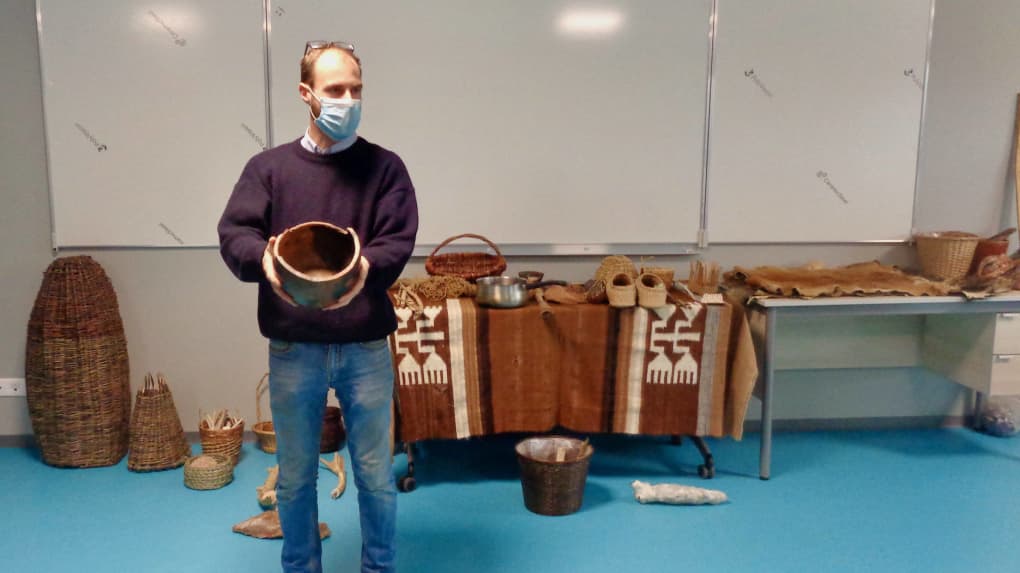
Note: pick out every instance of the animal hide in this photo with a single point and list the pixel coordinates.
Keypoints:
(266, 525)
(813, 281)
(676, 494)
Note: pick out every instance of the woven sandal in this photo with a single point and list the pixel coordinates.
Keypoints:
(621, 291)
(651, 291)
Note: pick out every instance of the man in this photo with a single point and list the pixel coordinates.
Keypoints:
(329, 175)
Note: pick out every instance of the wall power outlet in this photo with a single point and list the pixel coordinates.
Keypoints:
(12, 386)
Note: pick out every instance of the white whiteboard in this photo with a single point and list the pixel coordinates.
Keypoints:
(816, 111)
(152, 110)
(516, 128)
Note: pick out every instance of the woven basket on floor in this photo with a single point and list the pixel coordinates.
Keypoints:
(263, 430)
(157, 437)
(333, 433)
(554, 470)
(468, 266)
(946, 256)
(76, 367)
(224, 442)
(208, 471)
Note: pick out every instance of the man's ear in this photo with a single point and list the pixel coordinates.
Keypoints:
(306, 93)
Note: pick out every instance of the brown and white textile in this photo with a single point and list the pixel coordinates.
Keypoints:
(463, 370)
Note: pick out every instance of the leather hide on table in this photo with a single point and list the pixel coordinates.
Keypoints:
(814, 281)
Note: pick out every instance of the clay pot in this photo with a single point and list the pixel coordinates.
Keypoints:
(317, 262)
(987, 248)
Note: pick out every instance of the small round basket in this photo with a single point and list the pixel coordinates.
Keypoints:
(224, 442)
(265, 436)
(468, 266)
(208, 471)
(946, 256)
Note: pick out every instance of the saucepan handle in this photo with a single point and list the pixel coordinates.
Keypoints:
(544, 284)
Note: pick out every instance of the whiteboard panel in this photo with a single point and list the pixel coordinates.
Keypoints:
(516, 123)
(816, 111)
(152, 110)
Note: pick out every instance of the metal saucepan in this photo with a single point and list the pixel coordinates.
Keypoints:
(507, 292)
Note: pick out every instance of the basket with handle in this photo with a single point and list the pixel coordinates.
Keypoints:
(469, 266)
(947, 255)
(263, 429)
(156, 438)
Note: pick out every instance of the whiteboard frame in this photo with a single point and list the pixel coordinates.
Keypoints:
(537, 249)
(917, 163)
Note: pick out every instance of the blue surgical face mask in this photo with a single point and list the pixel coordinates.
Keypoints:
(338, 118)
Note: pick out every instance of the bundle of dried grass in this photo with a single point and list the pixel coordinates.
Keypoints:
(704, 277)
(436, 289)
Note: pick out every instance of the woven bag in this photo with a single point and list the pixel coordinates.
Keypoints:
(157, 437)
(468, 266)
(76, 367)
(263, 430)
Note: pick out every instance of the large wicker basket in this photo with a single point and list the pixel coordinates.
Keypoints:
(157, 437)
(946, 256)
(469, 266)
(265, 435)
(76, 367)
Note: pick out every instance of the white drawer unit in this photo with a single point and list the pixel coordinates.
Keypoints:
(979, 351)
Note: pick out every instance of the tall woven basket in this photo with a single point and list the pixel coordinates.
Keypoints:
(157, 436)
(76, 367)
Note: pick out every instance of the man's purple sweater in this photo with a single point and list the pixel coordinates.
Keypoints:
(364, 187)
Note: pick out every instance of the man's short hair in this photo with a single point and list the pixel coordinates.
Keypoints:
(309, 59)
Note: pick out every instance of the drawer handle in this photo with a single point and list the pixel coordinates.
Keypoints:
(1002, 358)
(1009, 315)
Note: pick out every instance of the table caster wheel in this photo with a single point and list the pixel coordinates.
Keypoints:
(407, 484)
(706, 472)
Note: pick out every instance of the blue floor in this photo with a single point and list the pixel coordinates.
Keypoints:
(918, 500)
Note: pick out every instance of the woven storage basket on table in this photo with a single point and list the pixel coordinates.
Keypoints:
(224, 442)
(208, 471)
(946, 256)
(263, 430)
(469, 266)
(76, 367)
(157, 437)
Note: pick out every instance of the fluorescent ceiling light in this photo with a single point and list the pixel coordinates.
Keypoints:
(589, 22)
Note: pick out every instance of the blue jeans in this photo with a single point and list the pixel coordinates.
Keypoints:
(361, 374)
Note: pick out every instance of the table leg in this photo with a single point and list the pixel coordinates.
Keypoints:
(979, 406)
(765, 456)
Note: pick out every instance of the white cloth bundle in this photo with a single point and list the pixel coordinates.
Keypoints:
(676, 494)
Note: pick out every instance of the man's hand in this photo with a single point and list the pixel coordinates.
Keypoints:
(347, 298)
(270, 270)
